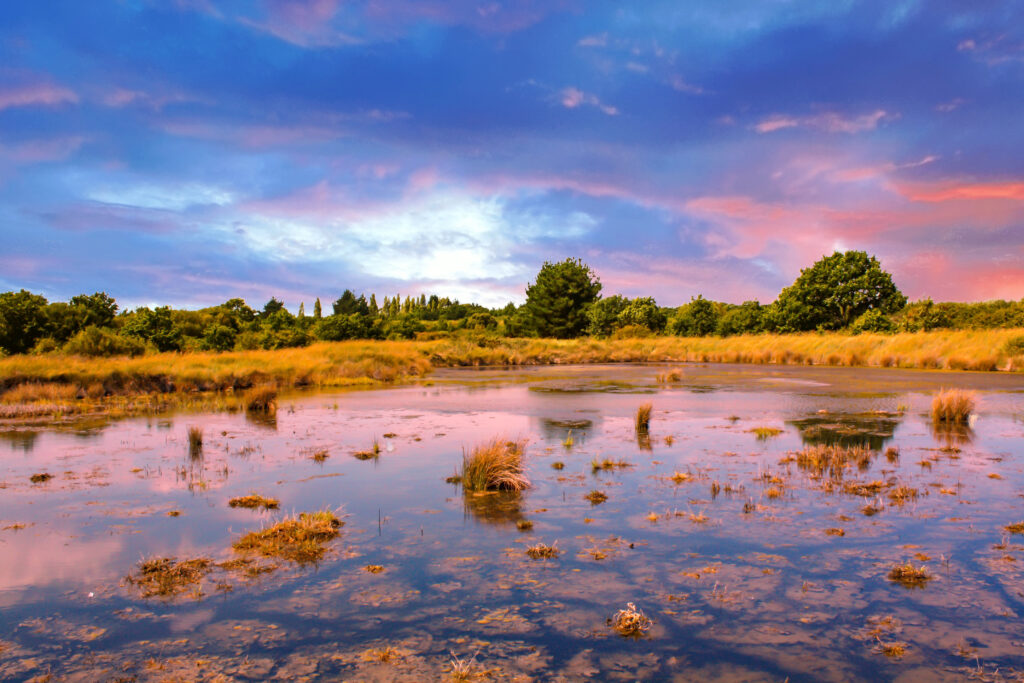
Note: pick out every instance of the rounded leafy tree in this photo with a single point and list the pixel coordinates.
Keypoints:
(837, 290)
(557, 303)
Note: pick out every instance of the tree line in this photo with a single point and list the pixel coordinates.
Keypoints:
(846, 291)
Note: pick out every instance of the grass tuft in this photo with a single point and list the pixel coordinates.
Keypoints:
(608, 465)
(630, 622)
(764, 433)
(254, 502)
(261, 399)
(496, 465)
(910, 576)
(301, 539)
(542, 551)
(952, 406)
(164, 577)
(833, 459)
(670, 376)
(40, 478)
(596, 497)
(642, 421)
(195, 441)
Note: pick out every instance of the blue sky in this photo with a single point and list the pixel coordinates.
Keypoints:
(190, 151)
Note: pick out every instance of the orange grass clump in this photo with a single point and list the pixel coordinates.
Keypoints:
(496, 465)
(952, 406)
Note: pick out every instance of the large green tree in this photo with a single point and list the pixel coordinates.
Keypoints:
(557, 302)
(23, 320)
(835, 291)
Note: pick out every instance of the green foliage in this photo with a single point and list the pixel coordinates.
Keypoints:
(557, 302)
(317, 311)
(154, 326)
(23, 320)
(94, 341)
(348, 304)
(835, 291)
(643, 312)
(342, 327)
(1015, 346)
(747, 318)
(482, 321)
(219, 338)
(603, 315)
(872, 321)
(698, 318)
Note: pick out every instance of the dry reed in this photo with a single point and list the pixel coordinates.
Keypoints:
(300, 539)
(642, 421)
(952, 406)
(496, 465)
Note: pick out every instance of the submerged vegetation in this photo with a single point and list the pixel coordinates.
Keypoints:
(166, 577)
(301, 538)
(496, 465)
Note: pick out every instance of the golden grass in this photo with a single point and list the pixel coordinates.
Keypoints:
(608, 465)
(642, 421)
(371, 453)
(496, 465)
(953, 406)
(670, 376)
(254, 501)
(262, 399)
(833, 459)
(355, 363)
(630, 622)
(764, 433)
(1015, 528)
(165, 577)
(301, 539)
(596, 497)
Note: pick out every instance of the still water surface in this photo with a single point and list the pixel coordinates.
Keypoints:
(732, 558)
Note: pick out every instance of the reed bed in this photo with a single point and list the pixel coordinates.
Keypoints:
(834, 459)
(953, 406)
(496, 465)
(195, 441)
(642, 421)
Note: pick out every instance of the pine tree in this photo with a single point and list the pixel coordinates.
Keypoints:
(374, 309)
(316, 309)
(302, 309)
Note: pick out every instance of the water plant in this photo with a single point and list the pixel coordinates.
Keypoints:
(166, 577)
(630, 622)
(302, 538)
(195, 441)
(542, 551)
(642, 421)
(558, 465)
(262, 399)
(670, 376)
(952, 406)
(1015, 528)
(833, 459)
(908, 575)
(596, 497)
(568, 443)
(496, 465)
(372, 452)
(254, 501)
(607, 464)
(764, 433)
(40, 477)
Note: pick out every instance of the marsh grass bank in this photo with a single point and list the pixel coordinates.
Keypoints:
(57, 385)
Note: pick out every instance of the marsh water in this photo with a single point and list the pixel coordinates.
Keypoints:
(750, 567)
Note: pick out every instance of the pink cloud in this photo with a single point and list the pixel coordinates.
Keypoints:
(41, 94)
(954, 191)
(574, 97)
(831, 122)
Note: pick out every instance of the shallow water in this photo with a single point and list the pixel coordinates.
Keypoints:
(744, 584)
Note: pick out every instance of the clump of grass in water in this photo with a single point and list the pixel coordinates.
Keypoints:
(764, 433)
(910, 576)
(892, 453)
(596, 497)
(643, 419)
(833, 459)
(894, 649)
(496, 465)
(165, 577)
(524, 525)
(608, 464)
(195, 441)
(630, 622)
(261, 400)
(373, 452)
(1016, 528)
(670, 376)
(254, 501)
(300, 539)
(320, 455)
(558, 465)
(952, 406)
(542, 551)
(568, 443)
(40, 478)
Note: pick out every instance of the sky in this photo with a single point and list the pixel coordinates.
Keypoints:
(186, 152)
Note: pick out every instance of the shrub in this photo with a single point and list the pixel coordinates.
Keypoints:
(1014, 346)
(872, 321)
(95, 341)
